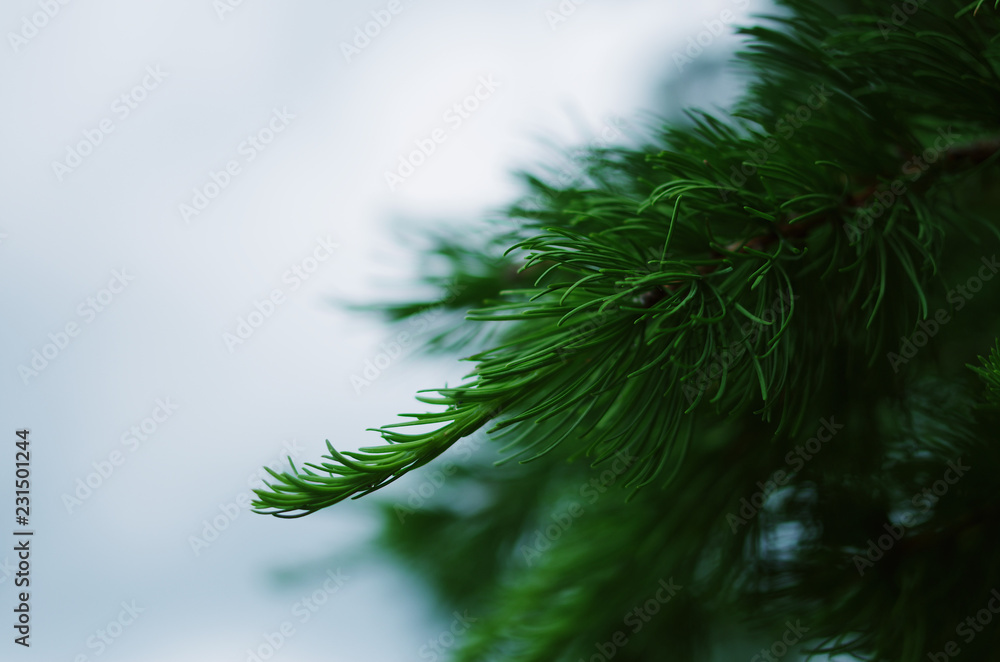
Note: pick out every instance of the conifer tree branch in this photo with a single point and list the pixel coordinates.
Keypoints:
(954, 160)
(630, 313)
(714, 314)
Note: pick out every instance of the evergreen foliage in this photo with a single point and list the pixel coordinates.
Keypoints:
(744, 352)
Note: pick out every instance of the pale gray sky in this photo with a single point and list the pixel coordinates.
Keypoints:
(120, 116)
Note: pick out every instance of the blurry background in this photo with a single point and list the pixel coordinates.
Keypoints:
(185, 188)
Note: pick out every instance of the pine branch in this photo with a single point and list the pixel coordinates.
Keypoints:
(354, 474)
(794, 228)
(630, 305)
(695, 305)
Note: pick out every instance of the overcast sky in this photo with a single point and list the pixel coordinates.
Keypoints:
(185, 186)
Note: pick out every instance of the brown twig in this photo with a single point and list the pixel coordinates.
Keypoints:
(954, 158)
